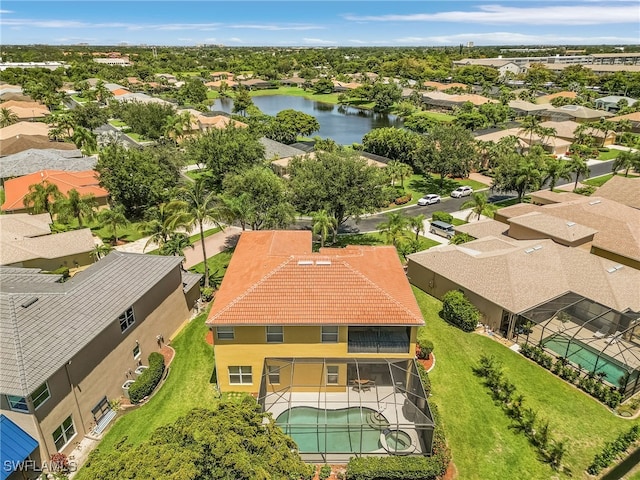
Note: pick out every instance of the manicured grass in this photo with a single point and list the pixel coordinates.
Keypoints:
(193, 238)
(599, 181)
(457, 222)
(440, 117)
(610, 155)
(189, 385)
(512, 201)
(483, 445)
(137, 137)
(117, 123)
(375, 238)
(79, 99)
(213, 94)
(129, 233)
(420, 185)
(299, 92)
(217, 263)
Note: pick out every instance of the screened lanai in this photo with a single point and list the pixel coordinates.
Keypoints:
(591, 336)
(337, 408)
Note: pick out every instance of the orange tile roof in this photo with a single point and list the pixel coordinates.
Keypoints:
(84, 182)
(120, 91)
(275, 279)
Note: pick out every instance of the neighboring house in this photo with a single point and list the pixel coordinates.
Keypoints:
(167, 76)
(633, 118)
(24, 128)
(281, 165)
(48, 65)
(21, 143)
(218, 121)
(85, 182)
(503, 66)
(120, 62)
(624, 190)
(345, 86)
(329, 330)
(293, 81)
(32, 160)
(275, 150)
(554, 145)
(520, 108)
(611, 103)
(443, 86)
(68, 347)
(26, 110)
(546, 99)
(221, 76)
(26, 241)
(450, 102)
(256, 84)
(566, 129)
(577, 113)
(139, 97)
(218, 83)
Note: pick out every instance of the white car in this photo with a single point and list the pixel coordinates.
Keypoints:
(429, 199)
(462, 192)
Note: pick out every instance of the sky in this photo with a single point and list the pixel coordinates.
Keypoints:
(324, 24)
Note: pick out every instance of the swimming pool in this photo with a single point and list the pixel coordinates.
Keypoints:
(582, 354)
(344, 430)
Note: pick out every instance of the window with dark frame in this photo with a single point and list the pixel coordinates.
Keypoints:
(332, 374)
(136, 351)
(240, 375)
(329, 334)
(64, 433)
(274, 374)
(225, 333)
(126, 319)
(275, 334)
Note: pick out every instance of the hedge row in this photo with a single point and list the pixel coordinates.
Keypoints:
(459, 311)
(612, 450)
(442, 217)
(149, 379)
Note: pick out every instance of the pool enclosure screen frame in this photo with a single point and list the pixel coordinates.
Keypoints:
(594, 338)
(381, 402)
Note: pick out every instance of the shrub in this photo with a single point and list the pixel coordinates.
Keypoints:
(402, 200)
(425, 347)
(424, 378)
(459, 311)
(207, 294)
(64, 271)
(611, 450)
(587, 190)
(442, 216)
(149, 379)
(325, 472)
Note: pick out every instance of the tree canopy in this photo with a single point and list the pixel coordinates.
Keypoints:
(449, 150)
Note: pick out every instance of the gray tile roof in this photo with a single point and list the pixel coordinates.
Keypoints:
(33, 160)
(276, 149)
(190, 279)
(36, 340)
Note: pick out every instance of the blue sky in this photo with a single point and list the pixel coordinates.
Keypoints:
(327, 23)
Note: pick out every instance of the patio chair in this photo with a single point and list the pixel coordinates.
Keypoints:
(600, 333)
(615, 338)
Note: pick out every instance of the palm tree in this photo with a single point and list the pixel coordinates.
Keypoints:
(41, 197)
(556, 169)
(392, 170)
(394, 228)
(102, 93)
(322, 224)
(530, 125)
(417, 225)
(175, 244)
(113, 218)
(8, 117)
(85, 140)
(479, 205)
(626, 161)
(528, 177)
(579, 167)
(101, 251)
(159, 225)
(404, 171)
(196, 207)
(237, 209)
(77, 206)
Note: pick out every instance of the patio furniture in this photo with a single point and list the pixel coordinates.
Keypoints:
(601, 333)
(615, 338)
(363, 385)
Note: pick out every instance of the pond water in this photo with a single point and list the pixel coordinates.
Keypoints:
(345, 125)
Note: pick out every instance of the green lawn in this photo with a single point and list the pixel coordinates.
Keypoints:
(610, 155)
(440, 117)
(117, 123)
(483, 445)
(299, 92)
(129, 233)
(213, 94)
(599, 181)
(79, 99)
(137, 137)
(217, 263)
(189, 385)
(420, 185)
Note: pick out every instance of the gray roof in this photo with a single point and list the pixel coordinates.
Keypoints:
(34, 160)
(276, 149)
(52, 246)
(189, 280)
(36, 340)
(16, 274)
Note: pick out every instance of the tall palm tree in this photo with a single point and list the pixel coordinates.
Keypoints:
(101, 251)
(113, 218)
(528, 177)
(394, 228)
(197, 207)
(8, 117)
(175, 244)
(417, 224)
(77, 206)
(41, 197)
(479, 205)
(322, 224)
(404, 171)
(85, 140)
(237, 209)
(579, 167)
(159, 225)
(102, 93)
(626, 161)
(556, 169)
(530, 125)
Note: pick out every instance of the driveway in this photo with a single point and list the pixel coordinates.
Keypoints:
(214, 244)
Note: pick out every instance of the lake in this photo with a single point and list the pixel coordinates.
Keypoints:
(346, 125)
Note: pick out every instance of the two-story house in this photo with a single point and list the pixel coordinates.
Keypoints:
(333, 331)
(67, 348)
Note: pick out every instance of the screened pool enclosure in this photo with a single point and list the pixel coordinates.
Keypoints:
(593, 338)
(337, 408)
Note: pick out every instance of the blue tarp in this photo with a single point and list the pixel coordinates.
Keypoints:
(15, 446)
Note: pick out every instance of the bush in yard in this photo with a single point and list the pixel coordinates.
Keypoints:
(402, 200)
(459, 311)
(424, 378)
(149, 379)
(612, 450)
(325, 472)
(425, 347)
(442, 217)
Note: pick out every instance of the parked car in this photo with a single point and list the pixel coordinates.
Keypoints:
(429, 199)
(462, 192)
(443, 229)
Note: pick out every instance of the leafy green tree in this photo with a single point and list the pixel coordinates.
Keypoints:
(339, 182)
(384, 95)
(449, 150)
(580, 167)
(298, 123)
(7, 117)
(90, 115)
(102, 93)
(266, 200)
(394, 228)
(556, 169)
(324, 85)
(242, 101)
(192, 92)
(421, 122)
(417, 225)
(518, 173)
(101, 251)
(113, 218)
(85, 140)
(41, 197)
(479, 205)
(146, 119)
(626, 161)
(196, 206)
(237, 208)
(235, 441)
(224, 151)
(80, 207)
(396, 144)
(323, 223)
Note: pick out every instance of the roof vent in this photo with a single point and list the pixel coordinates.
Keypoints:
(29, 302)
(537, 247)
(570, 224)
(529, 250)
(305, 262)
(595, 202)
(323, 262)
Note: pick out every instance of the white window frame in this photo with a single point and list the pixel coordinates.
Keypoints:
(64, 433)
(37, 402)
(14, 402)
(137, 355)
(333, 373)
(273, 372)
(243, 372)
(278, 334)
(126, 319)
(327, 337)
(225, 333)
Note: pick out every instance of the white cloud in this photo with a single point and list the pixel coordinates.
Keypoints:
(5, 12)
(510, 38)
(543, 15)
(319, 41)
(359, 42)
(236, 40)
(277, 28)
